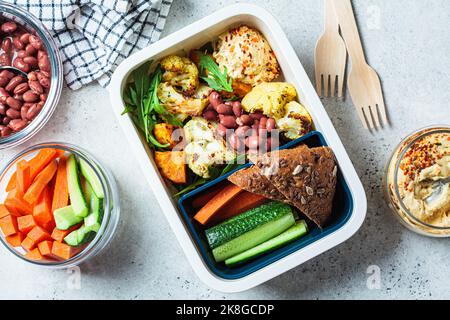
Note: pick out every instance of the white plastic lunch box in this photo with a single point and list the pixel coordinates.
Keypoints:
(194, 36)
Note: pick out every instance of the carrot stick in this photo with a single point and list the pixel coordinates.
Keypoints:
(59, 235)
(203, 199)
(61, 190)
(34, 255)
(63, 251)
(40, 182)
(37, 234)
(16, 239)
(221, 199)
(244, 201)
(16, 205)
(26, 223)
(23, 176)
(11, 183)
(42, 211)
(8, 225)
(4, 211)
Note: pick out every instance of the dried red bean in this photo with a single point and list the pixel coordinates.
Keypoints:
(32, 61)
(271, 124)
(13, 103)
(255, 124)
(224, 109)
(214, 99)
(22, 54)
(36, 87)
(43, 97)
(3, 81)
(5, 59)
(246, 120)
(43, 80)
(252, 142)
(17, 124)
(18, 97)
(30, 50)
(222, 130)
(32, 76)
(21, 65)
(7, 74)
(21, 88)
(14, 82)
(6, 120)
(3, 95)
(36, 42)
(7, 45)
(235, 142)
(30, 96)
(262, 122)
(228, 121)
(18, 44)
(209, 115)
(24, 111)
(9, 27)
(34, 110)
(2, 109)
(6, 131)
(242, 131)
(13, 114)
(44, 63)
(237, 108)
(25, 38)
(256, 116)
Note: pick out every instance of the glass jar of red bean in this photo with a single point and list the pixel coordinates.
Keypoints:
(30, 75)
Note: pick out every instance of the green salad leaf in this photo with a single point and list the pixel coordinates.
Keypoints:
(212, 75)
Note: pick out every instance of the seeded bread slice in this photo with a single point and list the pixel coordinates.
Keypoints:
(306, 177)
(253, 181)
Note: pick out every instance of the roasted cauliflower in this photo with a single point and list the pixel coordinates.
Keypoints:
(204, 148)
(269, 98)
(181, 73)
(179, 104)
(296, 122)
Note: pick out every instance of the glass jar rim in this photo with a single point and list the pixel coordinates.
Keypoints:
(421, 133)
(56, 76)
(107, 205)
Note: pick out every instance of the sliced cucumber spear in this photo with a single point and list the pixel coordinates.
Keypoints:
(90, 175)
(65, 218)
(293, 233)
(77, 200)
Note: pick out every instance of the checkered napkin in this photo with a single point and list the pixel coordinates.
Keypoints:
(94, 36)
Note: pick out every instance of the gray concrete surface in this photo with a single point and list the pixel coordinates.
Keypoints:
(406, 42)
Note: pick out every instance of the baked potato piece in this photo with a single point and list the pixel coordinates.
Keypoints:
(172, 165)
(163, 132)
(269, 98)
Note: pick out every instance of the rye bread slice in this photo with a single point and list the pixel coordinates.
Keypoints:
(306, 177)
(251, 180)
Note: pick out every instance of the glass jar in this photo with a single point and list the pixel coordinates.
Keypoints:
(31, 23)
(111, 204)
(411, 186)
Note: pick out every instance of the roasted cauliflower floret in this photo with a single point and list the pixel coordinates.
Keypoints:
(269, 98)
(177, 103)
(204, 148)
(181, 73)
(296, 122)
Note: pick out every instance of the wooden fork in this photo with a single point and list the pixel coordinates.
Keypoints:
(330, 56)
(363, 81)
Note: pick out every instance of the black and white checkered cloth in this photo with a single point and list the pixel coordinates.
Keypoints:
(94, 36)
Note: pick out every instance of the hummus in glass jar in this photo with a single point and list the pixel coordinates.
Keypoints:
(417, 182)
(424, 179)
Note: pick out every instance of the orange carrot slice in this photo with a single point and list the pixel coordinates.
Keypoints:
(40, 182)
(23, 176)
(28, 244)
(16, 205)
(26, 223)
(34, 255)
(42, 211)
(4, 211)
(45, 248)
(16, 239)
(59, 235)
(203, 199)
(38, 234)
(63, 251)
(8, 225)
(61, 190)
(221, 199)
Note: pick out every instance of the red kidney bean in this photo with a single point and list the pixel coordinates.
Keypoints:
(25, 38)
(242, 131)
(44, 63)
(256, 116)
(30, 96)
(14, 82)
(222, 130)
(43, 80)
(24, 111)
(32, 76)
(252, 142)
(9, 27)
(13, 114)
(235, 142)
(3, 95)
(18, 44)
(34, 111)
(36, 42)
(30, 50)
(5, 59)
(44, 97)
(40, 54)
(32, 61)
(13, 103)
(36, 86)
(7, 45)
(7, 74)
(18, 97)
(209, 115)
(17, 124)
(3, 81)
(271, 124)
(246, 120)
(224, 109)
(214, 98)
(255, 124)
(21, 88)
(262, 122)
(2, 109)
(6, 120)
(228, 121)
(45, 73)
(21, 65)
(6, 131)
(237, 108)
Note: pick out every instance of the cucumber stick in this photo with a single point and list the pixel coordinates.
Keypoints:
(254, 237)
(291, 234)
(90, 175)
(65, 218)
(77, 200)
(249, 220)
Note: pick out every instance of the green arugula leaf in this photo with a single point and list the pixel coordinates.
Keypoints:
(211, 74)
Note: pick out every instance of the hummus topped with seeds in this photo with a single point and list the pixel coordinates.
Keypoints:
(419, 179)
